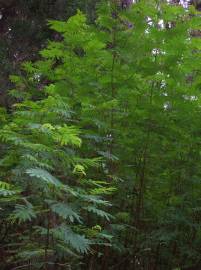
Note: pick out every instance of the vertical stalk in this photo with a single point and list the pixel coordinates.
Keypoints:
(112, 95)
(47, 241)
(141, 172)
(111, 168)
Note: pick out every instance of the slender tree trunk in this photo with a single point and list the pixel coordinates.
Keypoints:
(47, 241)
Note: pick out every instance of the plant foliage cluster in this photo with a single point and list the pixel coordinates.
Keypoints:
(24, 31)
(100, 156)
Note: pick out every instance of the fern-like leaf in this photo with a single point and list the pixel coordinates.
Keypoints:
(76, 241)
(44, 175)
(6, 189)
(99, 212)
(65, 211)
(23, 213)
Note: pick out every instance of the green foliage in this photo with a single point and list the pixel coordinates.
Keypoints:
(44, 175)
(99, 212)
(23, 213)
(109, 116)
(66, 235)
(65, 211)
(6, 189)
(44, 195)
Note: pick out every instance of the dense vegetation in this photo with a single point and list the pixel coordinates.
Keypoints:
(24, 31)
(100, 163)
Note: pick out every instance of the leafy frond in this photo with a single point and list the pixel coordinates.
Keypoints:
(44, 175)
(23, 213)
(7, 189)
(99, 212)
(65, 211)
(76, 241)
